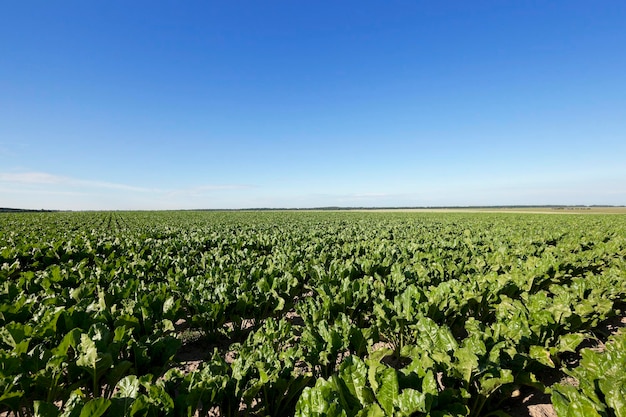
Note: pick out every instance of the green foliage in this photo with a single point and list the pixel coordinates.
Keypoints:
(601, 386)
(304, 313)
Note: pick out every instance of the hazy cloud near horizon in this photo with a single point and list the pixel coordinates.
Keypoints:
(63, 192)
(15, 186)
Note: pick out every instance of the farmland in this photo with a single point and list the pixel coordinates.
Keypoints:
(309, 313)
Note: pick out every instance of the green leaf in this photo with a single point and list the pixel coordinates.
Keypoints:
(95, 407)
(311, 402)
(489, 385)
(320, 400)
(158, 395)
(467, 362)
(14, 333)
(167, 325)
(168, 305)
(387, 393)
(127, 387)
(281, 304)
(47, 325)
(141, 406)
(117, 372)
(411, 401)
(12, 399)
(615, 395)
(88, 353)
(434, 337)
(372, 410)
(353, 372)
(45, 409)
(429, 383)
(541, 355)
(569, 342)
(121, 406)
(569, 402)
(72, 338)
(74, 404)
(375, 365)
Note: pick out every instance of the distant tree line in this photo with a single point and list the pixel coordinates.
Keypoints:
(17, 210)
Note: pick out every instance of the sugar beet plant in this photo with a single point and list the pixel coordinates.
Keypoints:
(307, 314)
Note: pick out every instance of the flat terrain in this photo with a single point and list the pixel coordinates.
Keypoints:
(291, 313)
(542, 210)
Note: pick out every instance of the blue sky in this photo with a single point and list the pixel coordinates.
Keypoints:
(233, 104)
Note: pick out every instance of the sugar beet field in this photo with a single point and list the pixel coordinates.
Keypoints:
(311, 314)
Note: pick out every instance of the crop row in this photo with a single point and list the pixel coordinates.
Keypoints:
(304, 314)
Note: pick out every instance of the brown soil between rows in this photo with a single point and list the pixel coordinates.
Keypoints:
(527, 402)
(534, 403)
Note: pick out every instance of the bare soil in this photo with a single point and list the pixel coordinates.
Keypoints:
(534, 403)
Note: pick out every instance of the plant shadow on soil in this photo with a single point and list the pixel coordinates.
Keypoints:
(532, 402)
(198, 347)
(528, 401)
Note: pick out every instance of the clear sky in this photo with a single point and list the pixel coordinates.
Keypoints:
(123, 104)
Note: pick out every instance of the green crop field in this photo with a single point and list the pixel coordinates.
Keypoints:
(310, 313)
